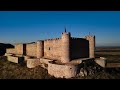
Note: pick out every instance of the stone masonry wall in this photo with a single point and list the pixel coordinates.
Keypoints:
(52, 49)
(65, 41)
(40, 49)
(79, 48)
(19, 49)
(31, 49)
(62, 71)
(91, 40)
(10, 50)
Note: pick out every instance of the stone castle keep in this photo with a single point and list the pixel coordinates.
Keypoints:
(60, 56)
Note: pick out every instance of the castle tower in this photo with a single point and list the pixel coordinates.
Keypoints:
(40, 49)
(91, 40)
(65, 54)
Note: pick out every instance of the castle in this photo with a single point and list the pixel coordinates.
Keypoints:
(60, 56)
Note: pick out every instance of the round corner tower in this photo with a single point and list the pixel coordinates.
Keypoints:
(91, 40)
(40, 48)
(65, 41)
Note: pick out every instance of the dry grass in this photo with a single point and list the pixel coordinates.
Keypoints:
(9, 70)
(111, 56)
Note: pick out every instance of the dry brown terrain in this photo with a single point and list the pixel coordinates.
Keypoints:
(113, 59)
(113, 54)
(10, 70)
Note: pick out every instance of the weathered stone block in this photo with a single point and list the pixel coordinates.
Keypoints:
(19, 49)
(15, 59)
(11, 50)
(8, 54)
(52, 49)
(33, 62)
(45, 61)
(102, 61)
(62, 71)
(31, 49)
(26, 58)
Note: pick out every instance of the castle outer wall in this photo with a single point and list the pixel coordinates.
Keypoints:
(79, 48)
(52, 49)
(31, 49)
(63, 49)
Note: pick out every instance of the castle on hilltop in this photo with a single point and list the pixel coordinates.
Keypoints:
(63, 51)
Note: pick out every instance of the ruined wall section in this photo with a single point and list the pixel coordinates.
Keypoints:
(62, 71)
(31, 49)
(20, 49)
(79, 48)
(52, 49)
(10, 50)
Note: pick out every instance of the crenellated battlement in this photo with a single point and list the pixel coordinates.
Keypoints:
(89, 36)
(66, 35)
(63, 43)
(40, 40)
(75, 38)
(55, 39)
